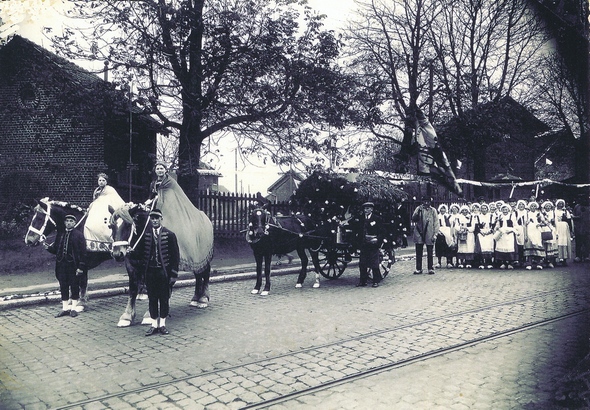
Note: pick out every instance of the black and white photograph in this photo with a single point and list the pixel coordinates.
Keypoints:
(294, 204)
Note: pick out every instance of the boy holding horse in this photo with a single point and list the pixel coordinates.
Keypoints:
(70, 262)
(159, 250)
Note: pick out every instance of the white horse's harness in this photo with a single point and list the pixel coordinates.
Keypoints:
(128, 241)
(41, 230)
(131, 233)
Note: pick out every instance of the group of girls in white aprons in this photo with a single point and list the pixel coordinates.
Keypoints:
(499, 235)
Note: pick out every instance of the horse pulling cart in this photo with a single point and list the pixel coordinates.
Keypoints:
(332, 246)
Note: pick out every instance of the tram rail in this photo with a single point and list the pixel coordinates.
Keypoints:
(378, 368)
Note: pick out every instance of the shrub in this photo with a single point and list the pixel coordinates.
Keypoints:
(9, 229)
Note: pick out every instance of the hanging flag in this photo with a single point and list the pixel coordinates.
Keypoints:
(548, 161)
(432, 160)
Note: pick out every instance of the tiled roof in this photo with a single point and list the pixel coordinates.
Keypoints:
(78, 75)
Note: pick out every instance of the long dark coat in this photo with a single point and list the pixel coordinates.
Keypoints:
(426, 225)
(75, 254)
(168, 251)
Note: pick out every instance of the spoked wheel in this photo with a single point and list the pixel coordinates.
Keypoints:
(386, 260)
(333, 262)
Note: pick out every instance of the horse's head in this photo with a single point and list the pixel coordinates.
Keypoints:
(42, 223)
(123, 229)
(258, 223)
(127, 225)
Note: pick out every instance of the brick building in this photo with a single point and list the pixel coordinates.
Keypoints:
(61, 125)
(509, 144)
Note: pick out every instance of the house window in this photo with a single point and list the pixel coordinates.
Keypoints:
(29, 95)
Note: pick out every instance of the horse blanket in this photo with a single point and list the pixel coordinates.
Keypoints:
(192, 226)
(96, 229)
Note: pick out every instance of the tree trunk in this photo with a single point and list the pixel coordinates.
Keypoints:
(189, 156)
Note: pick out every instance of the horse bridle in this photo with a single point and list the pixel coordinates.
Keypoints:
(128, 241)
(48, 219)
(259, 211)
(131, 232)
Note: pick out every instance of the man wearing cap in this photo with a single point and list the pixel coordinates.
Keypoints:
(426, 228)
(161, 256)
(370, 238)
(70, 262)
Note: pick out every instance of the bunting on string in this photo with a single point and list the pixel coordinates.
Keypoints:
(396, 178)
(432, 161)
(525, 183)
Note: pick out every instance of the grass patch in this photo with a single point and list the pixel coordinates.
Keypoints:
(16, 257)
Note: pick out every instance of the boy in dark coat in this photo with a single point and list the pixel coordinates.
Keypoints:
(70, 262)
(161, 256)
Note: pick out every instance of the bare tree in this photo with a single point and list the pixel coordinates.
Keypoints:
(564, 103)
(486, 49)
(389, 51)
(442, 57)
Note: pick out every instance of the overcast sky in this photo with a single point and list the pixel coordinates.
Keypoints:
(32, 15)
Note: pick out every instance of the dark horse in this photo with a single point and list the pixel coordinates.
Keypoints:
(128, 224)
(47, 218)
(279, 235)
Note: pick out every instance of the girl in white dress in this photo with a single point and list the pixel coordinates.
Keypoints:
(550, 245)
(485, 237)
(534, 252)
(563, 219)
(506, 250)
(466, 239)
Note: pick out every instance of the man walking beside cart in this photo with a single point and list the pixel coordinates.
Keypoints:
(370, 235)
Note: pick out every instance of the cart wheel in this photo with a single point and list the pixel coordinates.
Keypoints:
(333, 262)
(386, 260)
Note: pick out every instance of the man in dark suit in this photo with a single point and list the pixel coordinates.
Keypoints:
(70, 250)
(161, 256)
(370, 236)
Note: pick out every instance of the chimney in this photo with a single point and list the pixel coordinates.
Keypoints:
(106, 71)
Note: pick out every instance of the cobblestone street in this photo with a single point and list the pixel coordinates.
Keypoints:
(460, 339)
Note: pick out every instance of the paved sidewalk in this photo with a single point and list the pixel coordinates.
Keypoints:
(111, 277)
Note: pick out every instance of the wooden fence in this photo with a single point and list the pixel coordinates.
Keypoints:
(229, 212)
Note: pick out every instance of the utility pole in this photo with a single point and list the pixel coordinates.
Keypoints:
(236, 171)
(130, 165)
